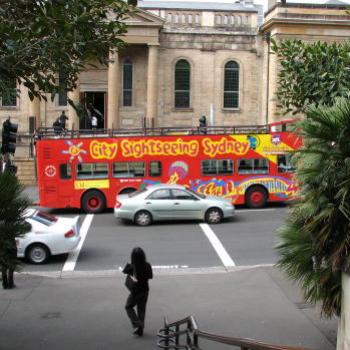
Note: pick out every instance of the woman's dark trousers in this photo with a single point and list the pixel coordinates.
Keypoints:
(7, 277)
(139, 300)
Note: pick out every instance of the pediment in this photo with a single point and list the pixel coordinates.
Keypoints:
(143, 18)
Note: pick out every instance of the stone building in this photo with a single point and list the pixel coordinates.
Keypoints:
(183, 60)
(188, 59)
(309, 22)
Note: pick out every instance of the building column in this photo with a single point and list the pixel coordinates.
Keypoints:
(34, 111)
(113, 121)
(73, 119)
(152, 85)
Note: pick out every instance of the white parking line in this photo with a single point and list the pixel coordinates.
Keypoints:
(217, 245)
(73, 256)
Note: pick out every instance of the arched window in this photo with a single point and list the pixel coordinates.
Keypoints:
(127, 82)
(231, 85)
(182, 84)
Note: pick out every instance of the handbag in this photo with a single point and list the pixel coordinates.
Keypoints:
(130, 283)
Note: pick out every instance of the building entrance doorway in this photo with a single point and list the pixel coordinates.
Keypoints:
(94, 101)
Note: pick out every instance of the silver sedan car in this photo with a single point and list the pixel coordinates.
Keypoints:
(171, 202)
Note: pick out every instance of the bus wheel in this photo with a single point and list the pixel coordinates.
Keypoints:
(143, 218)
(256, 197)
(213, 216)
(93, 202)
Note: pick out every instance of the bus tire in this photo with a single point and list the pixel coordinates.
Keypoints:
(213, 216)
(127, 190)
(93, 202)
(143, 218)
(256, 197)
(37, 254)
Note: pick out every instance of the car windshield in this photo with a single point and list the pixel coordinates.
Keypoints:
(44, 218)
(200, 195)
(136, 193)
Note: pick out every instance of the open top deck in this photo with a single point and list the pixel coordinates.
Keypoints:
(47, 133)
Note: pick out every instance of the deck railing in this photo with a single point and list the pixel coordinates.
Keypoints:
(184, 334)
(171, 131)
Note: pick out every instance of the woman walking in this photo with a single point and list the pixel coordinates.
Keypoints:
(139, 272)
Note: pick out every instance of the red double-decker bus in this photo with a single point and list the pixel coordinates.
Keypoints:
(82, 169)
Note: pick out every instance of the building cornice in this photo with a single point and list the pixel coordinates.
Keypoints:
(307, 22)
(308, 6)
(202, 31)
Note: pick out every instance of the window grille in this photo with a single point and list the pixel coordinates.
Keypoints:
(231, 85)
(182, 84)
(127, 82)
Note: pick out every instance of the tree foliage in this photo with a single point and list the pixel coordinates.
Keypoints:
(41, 38)
(315, 240)
(311, 73)
(12, 224)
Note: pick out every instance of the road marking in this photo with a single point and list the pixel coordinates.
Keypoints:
(73, 256)
(217, 245)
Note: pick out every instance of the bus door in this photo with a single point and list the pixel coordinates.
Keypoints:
(66, 184)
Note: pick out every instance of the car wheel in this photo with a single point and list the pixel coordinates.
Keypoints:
(213, 216)
(256, 197)
(93, 202)
(143, 218)
(37, 254)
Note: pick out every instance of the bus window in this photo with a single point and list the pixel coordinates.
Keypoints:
(128, 169)
(217, 166)
(92, 170)
(65, 171)
(155, 169)
(253, 166)
(284, 163)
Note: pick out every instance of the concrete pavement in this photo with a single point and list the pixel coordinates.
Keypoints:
(86, 311)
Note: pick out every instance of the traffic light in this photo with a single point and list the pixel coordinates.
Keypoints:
(9, 136)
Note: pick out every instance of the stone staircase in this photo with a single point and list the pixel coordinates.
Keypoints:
(26, 171)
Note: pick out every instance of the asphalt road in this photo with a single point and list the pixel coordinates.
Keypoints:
(246, 240)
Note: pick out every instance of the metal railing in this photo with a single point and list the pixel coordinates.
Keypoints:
(44, 132)
(184, 334)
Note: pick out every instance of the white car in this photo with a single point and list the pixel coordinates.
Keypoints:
(171, 202)
(49, 235)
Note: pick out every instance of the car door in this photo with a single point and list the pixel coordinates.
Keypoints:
(186, 205)
(160, 204)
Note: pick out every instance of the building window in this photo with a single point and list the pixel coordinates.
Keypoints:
(62, 95)
(182, 84)
(127, 83)
(8, 96)
(231, 85)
